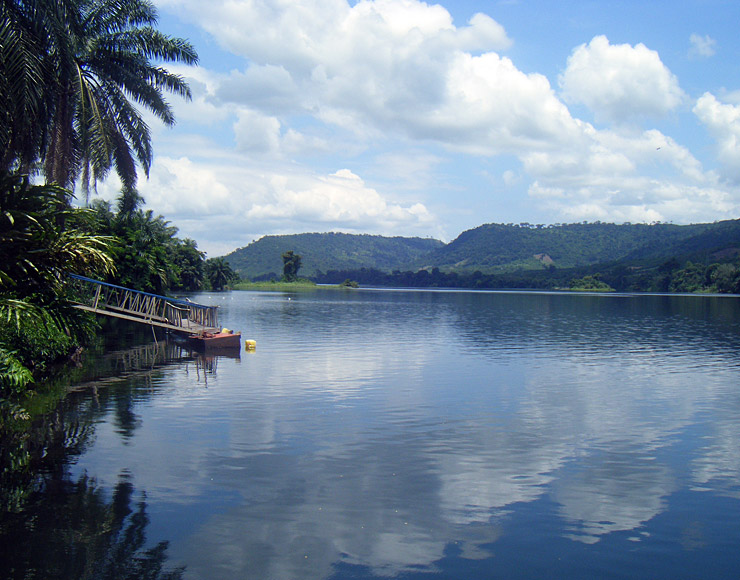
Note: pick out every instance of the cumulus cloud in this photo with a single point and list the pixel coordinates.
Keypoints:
(395, 90)
(306, 33)
(723, 123)
(385, 64)
(240, 203)
(645, 177)
(257, 133)
(620, 82)
(341, 198)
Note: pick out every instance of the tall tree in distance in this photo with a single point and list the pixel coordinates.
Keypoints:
(78, 71)
(291, 265)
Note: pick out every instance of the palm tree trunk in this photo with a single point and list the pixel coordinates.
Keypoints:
(60, 155)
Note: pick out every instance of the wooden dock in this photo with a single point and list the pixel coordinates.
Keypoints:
(173, 314)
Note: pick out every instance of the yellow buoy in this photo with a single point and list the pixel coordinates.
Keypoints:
(250, 344)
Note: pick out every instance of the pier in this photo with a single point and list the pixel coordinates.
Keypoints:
(172, 314)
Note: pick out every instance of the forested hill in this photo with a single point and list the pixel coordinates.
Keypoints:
(496, 249)
(493, 248)
(329, 251)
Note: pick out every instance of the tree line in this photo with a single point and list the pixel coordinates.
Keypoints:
(671, 276)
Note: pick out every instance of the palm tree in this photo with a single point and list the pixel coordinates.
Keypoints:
(25, 76)
(81, 69)
(219, 273)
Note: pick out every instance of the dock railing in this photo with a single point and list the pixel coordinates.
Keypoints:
(153, 309)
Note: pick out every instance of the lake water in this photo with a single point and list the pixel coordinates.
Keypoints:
(405, 434)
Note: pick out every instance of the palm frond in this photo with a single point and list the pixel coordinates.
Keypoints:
(59, 64)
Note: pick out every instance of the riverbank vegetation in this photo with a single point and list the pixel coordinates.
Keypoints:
(589, 284)
(74, 76)
(276, 285)
(670, 276)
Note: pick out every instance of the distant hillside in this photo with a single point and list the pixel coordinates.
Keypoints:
(628, 258)
(498, 248)
(329, 251)
(715, 242)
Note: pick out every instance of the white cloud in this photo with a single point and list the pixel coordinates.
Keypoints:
(264, 136)
(203, 108)
(392, 88)
(267, 87)
(235, 204)
(340, 199)
(257, 133)
(382, 65)
(620, 177)
(702, 46)
(492, 107)
(620, 82)
(723, 123)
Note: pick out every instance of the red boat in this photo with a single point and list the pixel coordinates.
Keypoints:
(216, 340)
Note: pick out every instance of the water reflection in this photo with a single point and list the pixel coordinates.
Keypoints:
(79, 532)
(57, 525)
(410, 433)
(443, 416)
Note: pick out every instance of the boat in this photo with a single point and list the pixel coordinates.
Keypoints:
(224, 339)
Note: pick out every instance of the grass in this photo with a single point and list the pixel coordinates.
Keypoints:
(300, 284)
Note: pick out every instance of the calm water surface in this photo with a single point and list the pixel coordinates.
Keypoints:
(414, 434)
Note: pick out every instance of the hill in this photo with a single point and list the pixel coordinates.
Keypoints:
(328, 251)
(499, 248)
(594, 257)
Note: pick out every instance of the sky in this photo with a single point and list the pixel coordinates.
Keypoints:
(405, 118)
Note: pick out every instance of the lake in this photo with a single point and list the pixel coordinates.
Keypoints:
(403, 434)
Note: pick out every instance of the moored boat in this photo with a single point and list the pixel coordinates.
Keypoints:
(225, 339)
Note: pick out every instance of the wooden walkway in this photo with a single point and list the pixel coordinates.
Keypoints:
(172, 314)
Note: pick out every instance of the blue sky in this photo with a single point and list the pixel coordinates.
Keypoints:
(398, 117)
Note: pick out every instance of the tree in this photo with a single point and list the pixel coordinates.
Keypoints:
(590, 283)
(189, 264)
(724, 277)
(73, 73)
(291, 265)
(219, 273)
(145, 246)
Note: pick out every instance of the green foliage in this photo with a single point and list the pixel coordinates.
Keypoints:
(508, 255)
(73, 78)
(301, 284)
(37, 324)
(716, 277)
(260, 260)
(219, 273)
(688, 279)
(724, 278)
(497, 248)
(14, 377)
(590, 283)
(149, 255)
(35, 251)
(36, 334)
(291, 265)
(189, 265)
